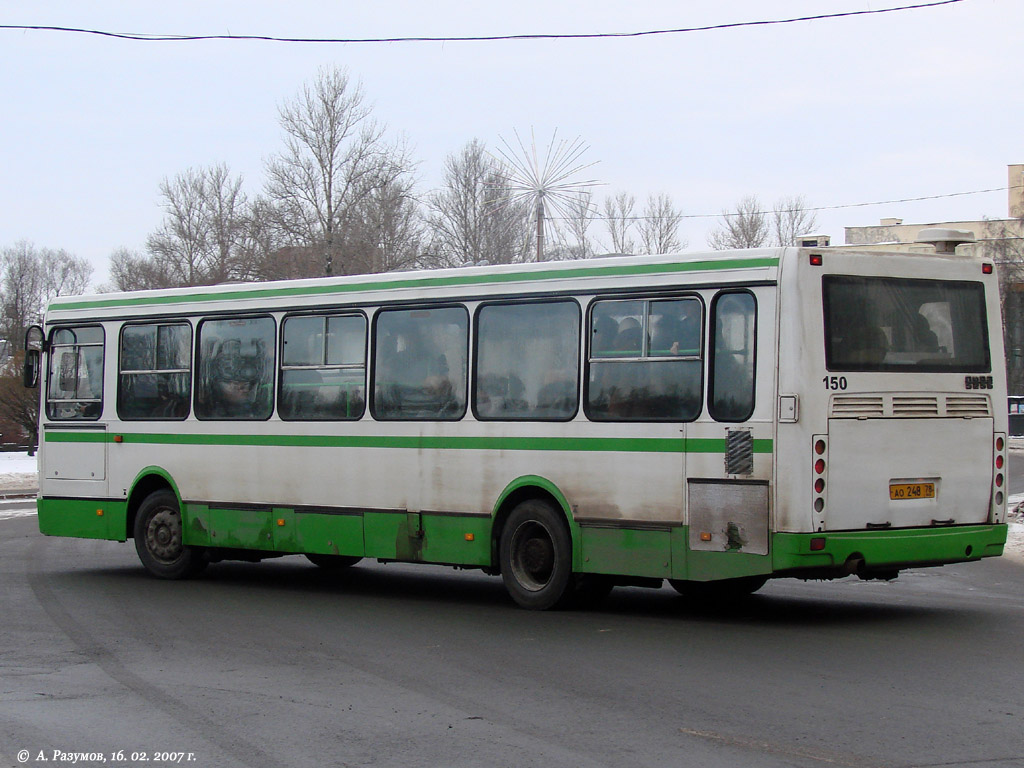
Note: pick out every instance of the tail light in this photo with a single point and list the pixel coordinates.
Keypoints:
(819, 465)
(998, 478)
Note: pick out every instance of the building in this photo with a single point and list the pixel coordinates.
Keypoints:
(894, 234)
(1002, 240)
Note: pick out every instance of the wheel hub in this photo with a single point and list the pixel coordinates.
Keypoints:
(163, 535)
(533, 556)
(538, 556)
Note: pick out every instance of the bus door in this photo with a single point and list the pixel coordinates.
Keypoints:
(73, 435)
(727, 481)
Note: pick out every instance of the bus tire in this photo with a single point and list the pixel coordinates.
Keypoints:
(535, 553)
(725, 591)
(158, 539)
(333, 562)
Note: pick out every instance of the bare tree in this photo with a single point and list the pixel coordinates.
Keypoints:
(63, 273)
(133, 271)
(619, 219)
(31, 277)
(659, 226)
(199, 239)
(335, 159)
(792, 219)
(749, 226)
(263, 249)
(471, 218)
(22, 291)
(226, 211)
(386, 229)
(181, 241)
(579, 217)
(744, 227)
(19, 406)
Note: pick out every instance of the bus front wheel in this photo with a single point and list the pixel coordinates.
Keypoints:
(536, 556)
(158, 539)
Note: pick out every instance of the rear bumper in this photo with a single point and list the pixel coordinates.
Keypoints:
(885, 550)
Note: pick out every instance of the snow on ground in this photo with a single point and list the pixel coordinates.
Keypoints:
(17, 472)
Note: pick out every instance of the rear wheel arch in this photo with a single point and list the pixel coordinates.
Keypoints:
(523, 489)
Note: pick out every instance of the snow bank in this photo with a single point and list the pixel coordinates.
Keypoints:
(18, 471)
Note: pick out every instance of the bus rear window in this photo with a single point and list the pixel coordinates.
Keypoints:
(897, 324)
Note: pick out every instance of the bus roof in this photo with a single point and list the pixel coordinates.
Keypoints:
(757, 264)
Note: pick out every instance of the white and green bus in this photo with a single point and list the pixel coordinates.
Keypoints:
(715, 420)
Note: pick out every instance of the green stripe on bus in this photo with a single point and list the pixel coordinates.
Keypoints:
(424, 281)
(430, 442)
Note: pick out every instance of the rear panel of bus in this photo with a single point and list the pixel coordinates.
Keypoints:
(891, 440)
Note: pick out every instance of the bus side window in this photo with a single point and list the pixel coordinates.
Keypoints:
(731, 392)
(527, 362)
(75, 384)
(155, 380)
(323, 368)
(420, 364)
(645, 360)
(236, 369)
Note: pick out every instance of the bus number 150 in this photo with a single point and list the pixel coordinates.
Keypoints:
(834, 383)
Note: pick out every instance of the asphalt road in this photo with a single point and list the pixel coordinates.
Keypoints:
(281, 664)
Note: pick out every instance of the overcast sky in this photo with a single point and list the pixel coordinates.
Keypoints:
(842, 111)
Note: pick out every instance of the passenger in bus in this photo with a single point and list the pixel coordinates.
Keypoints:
(234, 387)
(415, 376)
(499, 395)
(925, 338)
(674, 335)
(630, 337)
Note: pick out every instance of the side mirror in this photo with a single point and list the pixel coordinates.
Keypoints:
(33, 351)
(30, 371)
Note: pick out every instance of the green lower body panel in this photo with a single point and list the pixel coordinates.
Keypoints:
(410, 536)
(901, 548)
(666, 554)
(627, 551)
(428, 538)
(321, 534)
(661, 554)
(83, 518)
(648, 552)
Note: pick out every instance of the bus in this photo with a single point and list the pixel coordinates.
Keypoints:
(714, 420)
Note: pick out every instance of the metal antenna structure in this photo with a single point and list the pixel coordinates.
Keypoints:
(546, 182)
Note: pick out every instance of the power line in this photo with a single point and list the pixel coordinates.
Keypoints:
(809, 209)
(156, 38)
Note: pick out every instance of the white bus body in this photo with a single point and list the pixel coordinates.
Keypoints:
(833, 460)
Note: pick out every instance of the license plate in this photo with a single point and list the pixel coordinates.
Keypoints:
(902, 491)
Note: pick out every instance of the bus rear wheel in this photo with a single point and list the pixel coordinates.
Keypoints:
(158, 539)
(536, 557)
(725, 591)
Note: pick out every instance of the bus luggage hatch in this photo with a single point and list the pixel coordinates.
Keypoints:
(728, 515)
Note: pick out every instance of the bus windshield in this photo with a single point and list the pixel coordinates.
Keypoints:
(897, 324)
